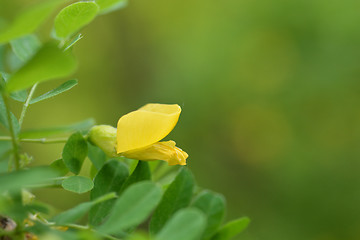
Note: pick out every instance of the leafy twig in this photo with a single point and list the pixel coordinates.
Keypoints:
(13, 138)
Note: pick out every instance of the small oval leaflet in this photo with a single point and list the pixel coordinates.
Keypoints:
(77, 184)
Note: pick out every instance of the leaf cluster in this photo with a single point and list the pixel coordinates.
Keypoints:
(129, 199)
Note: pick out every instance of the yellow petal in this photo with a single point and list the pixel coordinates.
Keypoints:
(146, 126)
(166, 151)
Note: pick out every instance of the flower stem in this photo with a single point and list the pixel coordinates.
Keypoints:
(13, 138)
(26, 104)
(38, 140)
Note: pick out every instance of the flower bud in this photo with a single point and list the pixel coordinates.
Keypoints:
(104, 136)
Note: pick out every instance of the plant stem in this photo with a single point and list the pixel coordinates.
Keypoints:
(13, 139)
(38, 140)
(26, 104)
(44, 140)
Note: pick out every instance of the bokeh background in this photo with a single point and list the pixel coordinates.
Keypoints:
(270, 97)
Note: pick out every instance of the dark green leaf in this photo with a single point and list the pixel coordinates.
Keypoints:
(48, 63)
(186, 224)
(141, 173)
(74, 214)
(132, 207)
(40, 133)
(96, 156)
(28, 21)
(60, 167)
(75, 152)
(107, 6)
(78, 184)
(178, 195)
(231, 229)
(56, 91)
(213, 206)
(73, 17)
(25, 47)
(25, 178)
(110, 178)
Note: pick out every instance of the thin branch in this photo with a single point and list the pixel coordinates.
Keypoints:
(37, 140)
(26, 104)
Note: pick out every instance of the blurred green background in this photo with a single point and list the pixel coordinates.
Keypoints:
(270, 97)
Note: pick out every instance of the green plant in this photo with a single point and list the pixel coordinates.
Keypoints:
(126, 188)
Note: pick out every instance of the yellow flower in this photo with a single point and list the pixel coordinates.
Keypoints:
(139, 132)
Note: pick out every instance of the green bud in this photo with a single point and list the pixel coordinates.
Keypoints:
(104, 136)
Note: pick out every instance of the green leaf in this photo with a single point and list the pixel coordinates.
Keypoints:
(76, 213)
(73, 17)
(75, 40)
(75, 152)
(25, 47)
(77, 184)
(18, 95)
(132, 207)
(141, 173)
(110, 178)
(107, 6)
(213, 206)
(4, 120)
(231, 229)
(48, 63)
(28, 21)
(25, 178)
(96, 156)
(56, 91)
(40, 133)
(60, 167)
(186, 224)
(178, 195)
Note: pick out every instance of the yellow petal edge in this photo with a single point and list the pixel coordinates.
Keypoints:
(166, 151)
(146, 126)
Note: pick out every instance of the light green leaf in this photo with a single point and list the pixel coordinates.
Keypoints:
(48, 63)
(25, 47)
(25, 178)
(107, 6)
(110, 178)
(132, 207)
(186, 224)
(231, 229)
(28, 21)
(213, 206)
(18, 95)
(56, 91)
(178, 195)
(76, 213)
(73, 17)
(40, 133)
(78, 184)
(75, 152)
(75, 40)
